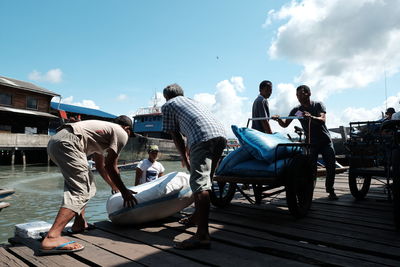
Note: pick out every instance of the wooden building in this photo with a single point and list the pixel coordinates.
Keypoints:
(24, 120)
(24, 107)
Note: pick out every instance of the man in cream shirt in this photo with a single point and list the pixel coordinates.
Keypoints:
(69, 149)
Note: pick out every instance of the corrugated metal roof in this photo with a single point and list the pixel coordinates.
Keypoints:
(81, 110)
(29, 112)
(25, 86)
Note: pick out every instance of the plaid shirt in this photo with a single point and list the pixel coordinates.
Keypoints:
(190, 118)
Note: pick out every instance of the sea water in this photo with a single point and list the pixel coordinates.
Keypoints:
(38, 195)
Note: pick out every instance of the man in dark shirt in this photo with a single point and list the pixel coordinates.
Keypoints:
(261, 109)
(317, 133)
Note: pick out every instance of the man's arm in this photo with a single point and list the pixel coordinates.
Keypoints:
(283, 123)
(180, 145)
(321, 118)
(162, 169)
(266, 127)
(99, 161)
(112, 169)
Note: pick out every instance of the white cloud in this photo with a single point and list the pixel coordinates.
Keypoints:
(341, 44)
(226, 104)
(268, 21)
(84, 103)
(122, 97)
(157, 100)
(52, 76)
(362, 114)
(206, 99)
(283, 100)
(238, 83)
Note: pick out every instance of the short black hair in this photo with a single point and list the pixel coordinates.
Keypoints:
(303, 88)
(390, 111)
(265, 84)
(124, 121)
(172, 91)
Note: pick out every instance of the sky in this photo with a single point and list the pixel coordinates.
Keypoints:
(117, 55)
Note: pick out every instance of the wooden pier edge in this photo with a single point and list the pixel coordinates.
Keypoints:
(342, 233)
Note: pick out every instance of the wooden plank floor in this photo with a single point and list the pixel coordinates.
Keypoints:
(338, 233)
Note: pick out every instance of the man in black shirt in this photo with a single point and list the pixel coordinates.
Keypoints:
(317, 133)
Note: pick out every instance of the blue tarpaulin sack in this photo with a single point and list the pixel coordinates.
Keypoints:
(251, 168)
(232, 159)
(263, 146)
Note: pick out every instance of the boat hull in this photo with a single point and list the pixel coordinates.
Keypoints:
(136, 149)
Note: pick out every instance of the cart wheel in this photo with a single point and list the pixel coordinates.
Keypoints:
(396, 202)
(359, 185)
(222, 193)
(299, 185)
(396, 188)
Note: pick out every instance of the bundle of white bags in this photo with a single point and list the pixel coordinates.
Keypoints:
(157, 199)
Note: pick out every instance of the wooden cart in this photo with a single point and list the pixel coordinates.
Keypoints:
(296, 179)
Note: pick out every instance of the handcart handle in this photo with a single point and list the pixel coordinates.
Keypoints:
(270, 118)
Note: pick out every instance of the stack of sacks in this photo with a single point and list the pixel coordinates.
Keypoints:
(258, 154)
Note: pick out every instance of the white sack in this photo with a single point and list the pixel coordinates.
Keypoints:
(157, 199)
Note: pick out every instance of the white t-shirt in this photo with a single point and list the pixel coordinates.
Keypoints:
(151, 170)
(396, 116)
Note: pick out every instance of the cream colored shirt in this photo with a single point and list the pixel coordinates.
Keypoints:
(97, 136)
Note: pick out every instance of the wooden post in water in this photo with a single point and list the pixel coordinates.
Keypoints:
(12, 157)
(23, 158)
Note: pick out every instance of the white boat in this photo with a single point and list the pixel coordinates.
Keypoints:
(3, 194)
(4, 205)
(6, 192)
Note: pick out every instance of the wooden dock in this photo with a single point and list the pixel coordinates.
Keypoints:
(337, 233)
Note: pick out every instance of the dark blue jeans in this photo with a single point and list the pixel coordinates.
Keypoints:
(328, 155)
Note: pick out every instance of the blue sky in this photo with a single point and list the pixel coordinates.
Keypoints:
(115, 55)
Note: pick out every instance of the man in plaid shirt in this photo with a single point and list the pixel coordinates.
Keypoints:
(206, 141)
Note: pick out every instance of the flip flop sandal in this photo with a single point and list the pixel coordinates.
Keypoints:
(186, 221)
(60, 249)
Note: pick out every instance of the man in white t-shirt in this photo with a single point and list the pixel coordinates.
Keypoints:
(149, 169)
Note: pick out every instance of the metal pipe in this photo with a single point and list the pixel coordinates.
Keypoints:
(270, 118)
